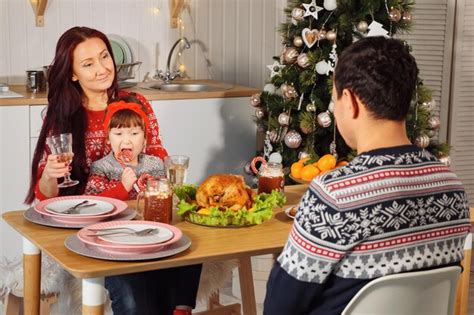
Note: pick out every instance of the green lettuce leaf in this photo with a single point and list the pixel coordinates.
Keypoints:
(261, 211)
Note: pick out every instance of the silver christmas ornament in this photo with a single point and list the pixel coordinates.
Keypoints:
(330, 5)
(255, 100)
(324, 119)
(331, 106)
(298, 14)
(275, 157)
(269, 88)
(259, 113)
(248, 169)
(290, 55)
(303, 155)
(395, 15)
(322, 67)
(311, 107)
(362, 26)
(434, 122)
(430, 105)
(303, 60)
(431, 133)
(293, 139)
(298, 41)
(288, 91)
(284, 119)
(331, 35)
(446, 160)
(422, 141)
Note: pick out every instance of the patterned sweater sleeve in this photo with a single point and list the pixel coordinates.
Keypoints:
(311, 253)
(99, 184)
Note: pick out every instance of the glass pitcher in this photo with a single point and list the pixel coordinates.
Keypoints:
(158, 197)
(270, 177)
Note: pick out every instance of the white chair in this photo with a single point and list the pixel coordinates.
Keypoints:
(429, 292)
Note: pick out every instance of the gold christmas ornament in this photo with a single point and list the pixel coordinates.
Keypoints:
(362, 26)
(395, 15)
(311, 107)
(284, 119)
(303, 60)
(406, 17)
(331, 35)
(298, 14)
(290, 55)
(322, 35)
(288, 91)
(446, 160)
(255, 100)
(298, 41)
(324, 119)
(303, 155)
(422, 141)
(259, 113)
(293, 139)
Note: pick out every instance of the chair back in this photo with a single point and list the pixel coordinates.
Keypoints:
(429, 292)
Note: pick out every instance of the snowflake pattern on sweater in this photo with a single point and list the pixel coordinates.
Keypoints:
(383, 213)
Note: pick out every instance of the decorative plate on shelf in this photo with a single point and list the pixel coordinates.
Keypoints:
(120, 42)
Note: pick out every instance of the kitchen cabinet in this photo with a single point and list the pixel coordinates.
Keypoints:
(14, 169)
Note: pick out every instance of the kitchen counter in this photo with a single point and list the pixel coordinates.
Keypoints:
(222, 90)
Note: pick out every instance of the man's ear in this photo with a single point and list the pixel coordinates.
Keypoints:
(351, 103)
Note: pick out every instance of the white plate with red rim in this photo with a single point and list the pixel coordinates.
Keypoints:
(59, 207)
(160, 235)
(119, 207)
(87, 236)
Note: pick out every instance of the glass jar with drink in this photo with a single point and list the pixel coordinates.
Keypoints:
(176, 169)
(270, 177)
(158, 197)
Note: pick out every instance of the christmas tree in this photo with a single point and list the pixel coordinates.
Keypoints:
(294, 111)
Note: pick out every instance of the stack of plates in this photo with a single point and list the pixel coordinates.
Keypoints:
(122, 52)
(118, 236)
(56, 209)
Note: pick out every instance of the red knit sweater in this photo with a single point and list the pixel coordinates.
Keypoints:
(96, 139)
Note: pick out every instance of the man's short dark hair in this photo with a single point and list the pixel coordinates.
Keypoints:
(382, 73)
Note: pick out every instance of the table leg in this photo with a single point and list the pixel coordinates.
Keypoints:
(31, 278)
(93, 296)
(249, 305)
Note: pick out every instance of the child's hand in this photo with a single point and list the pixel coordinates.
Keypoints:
(128, 178)
(54, 169)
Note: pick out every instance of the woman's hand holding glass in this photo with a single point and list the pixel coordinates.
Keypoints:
(61, 149)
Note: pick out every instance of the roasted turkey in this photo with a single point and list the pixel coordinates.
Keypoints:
(225, 191)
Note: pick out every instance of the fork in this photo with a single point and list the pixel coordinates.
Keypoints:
(128, 231)
(77, 208)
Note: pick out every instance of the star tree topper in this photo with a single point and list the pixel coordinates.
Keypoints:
(312, 9)
(275, 68)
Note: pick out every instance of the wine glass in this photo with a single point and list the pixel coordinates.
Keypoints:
(61, 145)
(176, 169)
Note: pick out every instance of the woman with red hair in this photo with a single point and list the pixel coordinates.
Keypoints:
(82, 81)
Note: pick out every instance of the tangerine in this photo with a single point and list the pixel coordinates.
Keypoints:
(342, 163)
(296, 169)
(309, 172)
(326, 162)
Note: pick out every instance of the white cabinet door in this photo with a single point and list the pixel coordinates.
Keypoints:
(218, 134)
(14, 170)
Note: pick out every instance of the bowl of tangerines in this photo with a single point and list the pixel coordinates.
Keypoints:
(304, 170)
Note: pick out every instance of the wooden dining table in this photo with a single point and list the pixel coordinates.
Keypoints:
(208, 244)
